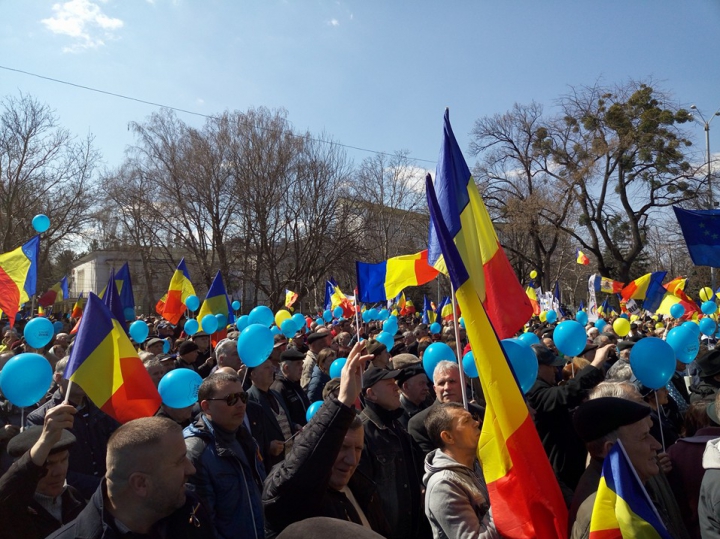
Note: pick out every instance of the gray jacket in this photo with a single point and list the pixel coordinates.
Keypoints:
(709, 506)
(456, 500)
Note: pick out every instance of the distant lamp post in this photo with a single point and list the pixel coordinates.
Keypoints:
(706, 125)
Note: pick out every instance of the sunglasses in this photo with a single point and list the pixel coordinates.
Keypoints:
(232, 398)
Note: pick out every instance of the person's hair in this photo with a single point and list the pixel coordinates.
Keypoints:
(132, 445)
(439, 420)
(323, 355)
(151, 362)
(210, 385)
(596, 448)
(619, 372)
(356, 423)
(696, 418)
(615, 388)
(144, 355)
(61, 364)
(224, 347)
(424, 343)
(444, 366)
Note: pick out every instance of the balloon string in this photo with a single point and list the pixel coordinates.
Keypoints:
(659, 414)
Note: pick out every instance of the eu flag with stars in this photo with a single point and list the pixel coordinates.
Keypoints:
(701, 229)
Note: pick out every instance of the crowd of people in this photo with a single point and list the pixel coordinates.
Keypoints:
(390, 451)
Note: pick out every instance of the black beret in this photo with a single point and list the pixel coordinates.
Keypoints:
(375, 347)
(408, 372)
(709, 363)
(317, 336)
(22, 443)
(186, 347)
(153, 341)
(374, 374)
(200, 333)
(624, 345)
(545, 356)
(292, 354)
(598, 417)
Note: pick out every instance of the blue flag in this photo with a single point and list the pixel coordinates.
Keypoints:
(701, 230)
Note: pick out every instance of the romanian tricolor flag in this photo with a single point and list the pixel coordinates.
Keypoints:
(524, 494)
(173, 305)
(622, 506)
(217, 302)
(671, 294)
(77, 308)
(429, 314)
(338, 299)
(532, 296)
(290, 298)
(123, 284)
(58, 292)
(471, 228)
(581, 258)
(607, 285)
(638, 289)
(18, 277)
(382, 281)
(409, 308)
(104, 363)
(112, 301)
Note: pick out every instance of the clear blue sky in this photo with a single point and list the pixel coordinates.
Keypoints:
(371, 73)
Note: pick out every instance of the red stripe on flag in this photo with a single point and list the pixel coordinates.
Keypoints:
(9, 296)
(174, 307)
(423, 272)
(137, 396)
(615, 533)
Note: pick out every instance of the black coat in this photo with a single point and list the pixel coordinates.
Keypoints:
(553, 405)
(394, 461)
(94, 522)
(295, 398)
(271, 427)
(92, 428)
(416, 425)
(298, 488)
(20, 514)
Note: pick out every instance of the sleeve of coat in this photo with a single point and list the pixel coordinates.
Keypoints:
(568, 395)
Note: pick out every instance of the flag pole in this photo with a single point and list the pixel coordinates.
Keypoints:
(659, 413)
(457, 347)
(357, 314)
(67, 392)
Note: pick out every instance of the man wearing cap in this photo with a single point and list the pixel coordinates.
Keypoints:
(287, 384)
(34, 497)
(390, 456)
(553, 403)
(381, 356)
(414, 391)
(600, 423)
(154, 346)
(709, 365)
(279, 346)
(316, 342)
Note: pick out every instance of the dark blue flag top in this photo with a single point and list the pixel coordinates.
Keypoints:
(701, 230)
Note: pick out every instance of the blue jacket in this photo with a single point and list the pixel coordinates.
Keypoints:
(229, 477)
(317, 384)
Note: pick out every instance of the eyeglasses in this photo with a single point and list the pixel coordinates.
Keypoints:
(232, 398)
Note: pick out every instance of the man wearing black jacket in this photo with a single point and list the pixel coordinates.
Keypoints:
(287, 384)
(319, 476)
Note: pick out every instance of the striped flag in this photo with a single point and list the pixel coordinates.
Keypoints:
(384, 280)
(56, 293)
(173, 304)
(217, 302)
(18, 277)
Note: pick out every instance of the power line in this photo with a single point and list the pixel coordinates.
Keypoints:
(185, 111)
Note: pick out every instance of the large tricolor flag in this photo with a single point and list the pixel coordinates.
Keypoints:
(123, 284)
(382, 281)
(217, 302)
(18, 277)
(622, 506)
(173, 304)
(471, 228)
(104, 363)
(112, 301)
(638, 289)
(58, 292)
(524, 493)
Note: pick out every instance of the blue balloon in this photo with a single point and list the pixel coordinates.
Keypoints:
(262, 315)
(129, 313)
(692, 326)
(383, 314)
(243, 322)
(300, 322)
(394, 318)
(337, 312)
(288, 328)
(221, 320)
(708, 326)
(366, 316)
(551, 317)
(600, 324)
(570, 338)
(581, 317)
(529, 338)
(209, 324)
(179, 388)
(39, 332)
(327, 315)
(387, 339)
(255, 344)
(57, 327)
(468, 362)
(683, 342)
(625, 316)
(25, 379)
(41, 223)
(166, 346)
(653, 362)
(139, 330)
(676, 311)
(312, 410)
(191, 327)
(337, 366)
(275, 330)
(373, 314)
(390, 326)
(192, 302)
(462, 322)
(708, 307)
(435, 328)
(524, 362)
(434, 354)
(236, 305)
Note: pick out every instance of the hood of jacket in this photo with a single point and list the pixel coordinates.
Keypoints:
(711, 456)
(437, 461)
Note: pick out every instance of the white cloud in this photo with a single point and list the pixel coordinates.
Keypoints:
(200, 101)
(84, 22)
(334, 22)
